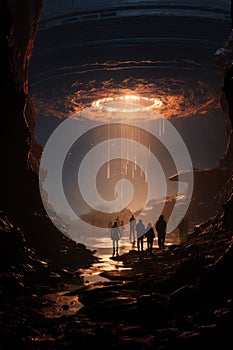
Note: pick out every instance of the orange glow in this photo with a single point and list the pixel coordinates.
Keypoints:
(127, 104)
(177, 98)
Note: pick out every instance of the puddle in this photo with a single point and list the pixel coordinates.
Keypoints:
(92, 275)
(105, 263)
(60, 304)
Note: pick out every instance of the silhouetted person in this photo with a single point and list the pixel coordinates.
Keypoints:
(132, 226)
(140, 228)
(150, 235)
(161, 228)
(183, 229)
(115, 236)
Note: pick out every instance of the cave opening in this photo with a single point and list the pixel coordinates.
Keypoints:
(114, 63)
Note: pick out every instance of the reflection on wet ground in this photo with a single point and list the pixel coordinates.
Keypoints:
(60, 304)
(66, 302)
(92, 275)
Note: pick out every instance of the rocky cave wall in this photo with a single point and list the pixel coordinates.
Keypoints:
(224, 59)
(20, 201)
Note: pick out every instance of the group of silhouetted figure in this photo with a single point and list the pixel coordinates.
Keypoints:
(138, 231)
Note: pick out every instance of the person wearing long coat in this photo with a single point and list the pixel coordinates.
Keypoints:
(140, 228)
(115, 237)
(161, 228)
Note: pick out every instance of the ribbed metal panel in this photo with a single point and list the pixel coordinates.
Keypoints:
(57, 8)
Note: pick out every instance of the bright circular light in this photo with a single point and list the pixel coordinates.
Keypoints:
(127, 104)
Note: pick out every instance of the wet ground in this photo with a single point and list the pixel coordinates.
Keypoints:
(135, 301)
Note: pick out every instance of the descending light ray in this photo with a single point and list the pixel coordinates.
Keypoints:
(88, 189)
(108, 170)
(160, 128)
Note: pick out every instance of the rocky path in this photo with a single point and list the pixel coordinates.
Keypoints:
(135, 301)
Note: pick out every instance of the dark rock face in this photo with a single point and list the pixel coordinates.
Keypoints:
(20, 197)
(224, 58)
